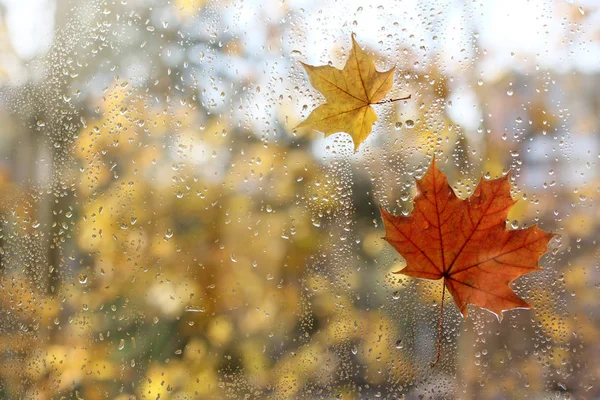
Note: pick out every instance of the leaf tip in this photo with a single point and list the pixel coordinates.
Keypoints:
(382, 211)
(433, 163)
(307, 67)
(499, 317)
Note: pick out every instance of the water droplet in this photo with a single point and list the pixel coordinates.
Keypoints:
(196, 309)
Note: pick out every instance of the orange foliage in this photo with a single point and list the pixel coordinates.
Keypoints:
(466, 242)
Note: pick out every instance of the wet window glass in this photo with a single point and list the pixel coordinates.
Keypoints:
(212, 199)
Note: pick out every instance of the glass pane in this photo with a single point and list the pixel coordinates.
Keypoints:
(167, 230)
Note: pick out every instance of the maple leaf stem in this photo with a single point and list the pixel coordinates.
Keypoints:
(393, 100)
(440, 326)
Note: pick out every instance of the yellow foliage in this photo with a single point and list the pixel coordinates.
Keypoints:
(188, 8)
(220, 331)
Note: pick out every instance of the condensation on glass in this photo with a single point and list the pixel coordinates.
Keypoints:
(167, 233)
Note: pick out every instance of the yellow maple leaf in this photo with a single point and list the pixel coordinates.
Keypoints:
(349, 93)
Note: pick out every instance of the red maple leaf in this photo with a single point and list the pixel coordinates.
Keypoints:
(466, 243)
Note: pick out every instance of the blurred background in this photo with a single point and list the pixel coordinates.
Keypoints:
(165, 232)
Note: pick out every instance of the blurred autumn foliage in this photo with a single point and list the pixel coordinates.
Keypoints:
(165, 233)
